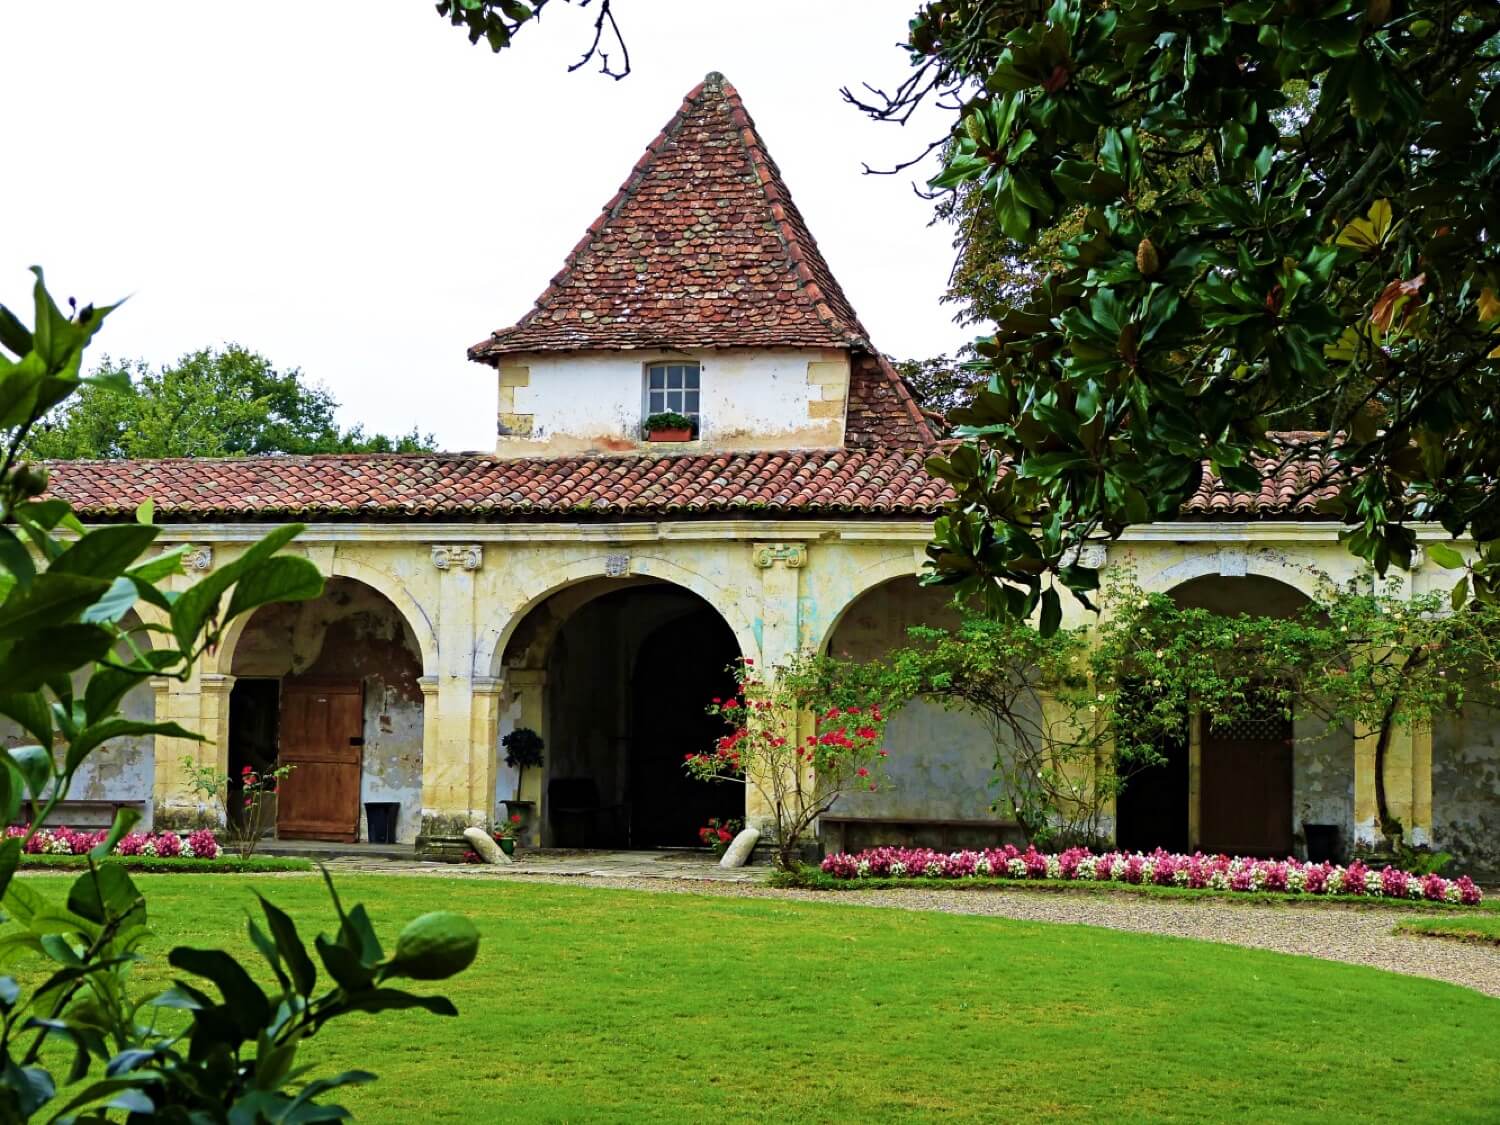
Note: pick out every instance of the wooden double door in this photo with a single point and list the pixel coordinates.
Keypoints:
(322, 738)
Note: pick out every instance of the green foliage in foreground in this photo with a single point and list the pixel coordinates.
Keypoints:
(224, 865)
(810, 878)
(1475, 928)
(601, 1005)
(86, 614)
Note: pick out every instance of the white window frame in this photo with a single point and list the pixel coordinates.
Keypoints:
(667, 392)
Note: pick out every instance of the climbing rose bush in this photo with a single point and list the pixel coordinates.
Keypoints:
(1158, 868)
(68, 841)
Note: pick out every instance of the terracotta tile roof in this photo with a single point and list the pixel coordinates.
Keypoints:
(882, 410)
(1293, 489)
(701, 247)
(877, 481)
(476, 485)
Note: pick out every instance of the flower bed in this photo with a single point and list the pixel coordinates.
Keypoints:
(1159, 868)
(165, 845)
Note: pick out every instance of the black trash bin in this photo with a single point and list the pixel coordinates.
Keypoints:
(380, 821)
(1322, 842)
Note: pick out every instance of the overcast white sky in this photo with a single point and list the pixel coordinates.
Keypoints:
(354, 190)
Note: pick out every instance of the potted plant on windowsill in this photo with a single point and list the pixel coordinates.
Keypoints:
(668, 426)
(523, 750)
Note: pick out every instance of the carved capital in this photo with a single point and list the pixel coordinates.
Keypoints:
(790, 555)
(1089, 555)
(469, 556)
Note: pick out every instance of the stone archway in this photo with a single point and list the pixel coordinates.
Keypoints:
(1254, 786)
(350, 660)
(941, 762)
(616, 675)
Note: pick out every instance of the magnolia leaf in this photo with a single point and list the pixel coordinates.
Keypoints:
(1445, 555)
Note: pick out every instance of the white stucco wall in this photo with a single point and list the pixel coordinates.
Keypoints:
(750, 399)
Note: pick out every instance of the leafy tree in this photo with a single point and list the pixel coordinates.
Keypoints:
(941, 384)
(1346, 264)
(1035, 696)
(210, 403)
(70, 650)
(798, 774)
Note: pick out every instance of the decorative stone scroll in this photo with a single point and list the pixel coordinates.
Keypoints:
(790, 555)
(198, 558)
(469, 557)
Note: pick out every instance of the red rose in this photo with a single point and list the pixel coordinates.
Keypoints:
(725, 835)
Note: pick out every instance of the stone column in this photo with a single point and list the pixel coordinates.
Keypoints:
(201, 704)
(781, 566)
(458, 778)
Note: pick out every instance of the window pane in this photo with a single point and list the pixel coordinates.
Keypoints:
(690, 402)
(674, 401)
(656, 402)
(674, 377)
(690, 375)
(658, 377)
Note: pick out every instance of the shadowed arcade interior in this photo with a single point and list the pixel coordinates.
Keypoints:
(631, 666)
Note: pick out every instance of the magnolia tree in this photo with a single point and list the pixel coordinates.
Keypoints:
(219, 1044)
(796, 742)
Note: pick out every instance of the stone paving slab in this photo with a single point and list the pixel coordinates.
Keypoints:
(596, 865)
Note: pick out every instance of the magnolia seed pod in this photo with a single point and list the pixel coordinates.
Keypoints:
(974, 127)
(29, 480)
(1145, 258)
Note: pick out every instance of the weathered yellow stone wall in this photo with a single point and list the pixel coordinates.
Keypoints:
(463, 589)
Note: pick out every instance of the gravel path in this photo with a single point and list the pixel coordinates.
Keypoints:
(1358, 936)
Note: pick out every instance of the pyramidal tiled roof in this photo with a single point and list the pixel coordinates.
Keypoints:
(702, 247)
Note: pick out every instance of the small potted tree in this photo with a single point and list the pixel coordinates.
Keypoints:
(668, 426)
(523, 750)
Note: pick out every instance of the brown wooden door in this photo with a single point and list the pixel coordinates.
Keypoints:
(1246, 787)
(322, 738)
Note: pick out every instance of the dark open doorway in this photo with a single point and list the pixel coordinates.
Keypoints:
(254, 720)
(631, 667)
(680, 668)
(1151, 811)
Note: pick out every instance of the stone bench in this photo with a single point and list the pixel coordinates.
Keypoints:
(856, 833)
(80, 813)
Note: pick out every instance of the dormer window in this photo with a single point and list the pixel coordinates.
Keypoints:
(672, 388)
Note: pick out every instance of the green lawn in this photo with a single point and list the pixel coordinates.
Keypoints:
(590, 1005)
(1467, 927)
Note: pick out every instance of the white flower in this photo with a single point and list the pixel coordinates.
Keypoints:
(898, 868)
(982, 865)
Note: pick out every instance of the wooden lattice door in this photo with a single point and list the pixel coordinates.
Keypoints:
(1246, 784)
